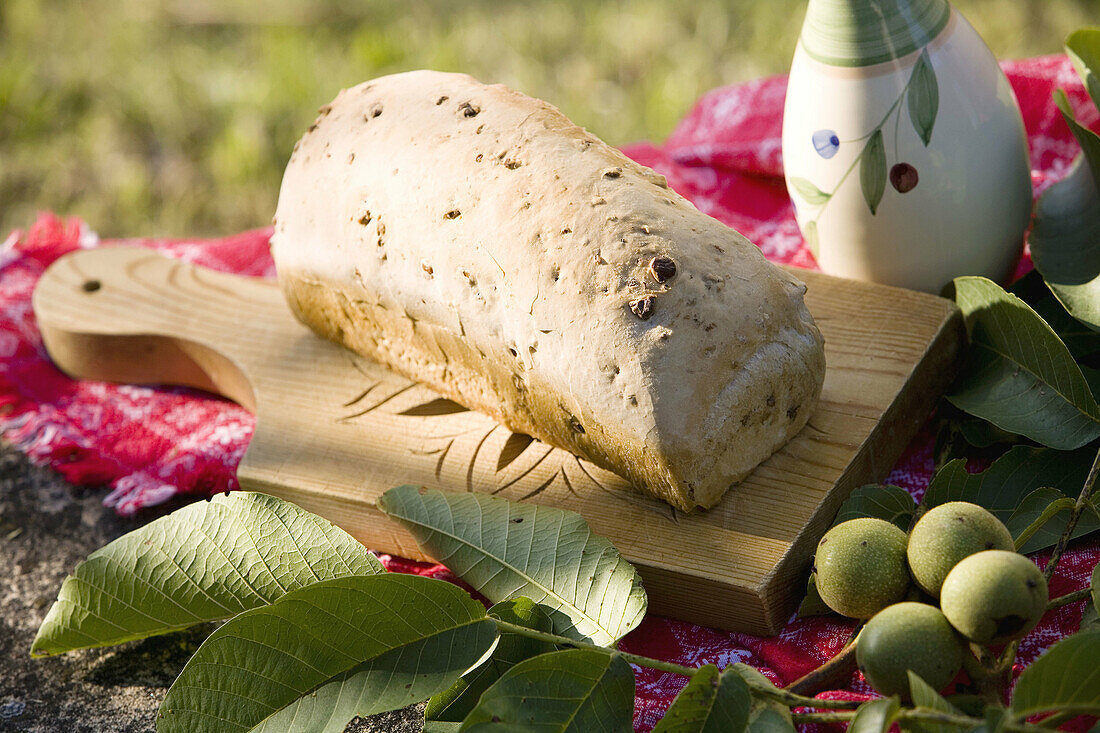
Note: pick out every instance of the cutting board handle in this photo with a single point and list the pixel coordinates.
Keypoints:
(127, 314)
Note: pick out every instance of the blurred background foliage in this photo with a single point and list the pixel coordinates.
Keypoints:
(176, 117)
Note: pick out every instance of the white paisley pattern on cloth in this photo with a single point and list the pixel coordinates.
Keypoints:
(150, 445)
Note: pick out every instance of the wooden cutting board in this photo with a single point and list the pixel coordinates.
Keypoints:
(334, 430)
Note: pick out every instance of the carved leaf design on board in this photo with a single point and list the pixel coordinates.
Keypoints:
(513, 447)
(433, 408)
(522, 466)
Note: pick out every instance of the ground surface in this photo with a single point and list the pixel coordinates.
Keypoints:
(46, 528)
(176, 117)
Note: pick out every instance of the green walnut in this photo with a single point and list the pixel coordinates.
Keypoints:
(860, 567)
(994, 596)
(947, 534)
(908, 636)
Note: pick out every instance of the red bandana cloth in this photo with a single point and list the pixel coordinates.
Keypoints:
(150, 445)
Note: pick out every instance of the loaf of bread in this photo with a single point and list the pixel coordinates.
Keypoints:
(477, 241)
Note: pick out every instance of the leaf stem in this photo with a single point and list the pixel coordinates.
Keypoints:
(663, 666)
(1071, 524)
(920, 715)
(787, 698)
(1068, 598)
(1049, 513)
(830, 675)
(855, 162)
(1008, 658)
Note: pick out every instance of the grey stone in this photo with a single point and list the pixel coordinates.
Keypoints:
(46, 527)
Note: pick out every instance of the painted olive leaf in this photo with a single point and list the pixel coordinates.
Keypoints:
(810, 193)
(809, 233)
(1018, 375)
(1065, 240)
(572, 691)
(892, 503)
(1065, 678)
(205, 562)
(875, 716)
(926, 698)
(323, 654)
(456, 702)
(506, 549)
(1006, 484)
(1083, 49)
(923, 98)
(872, 171)
(712, 702)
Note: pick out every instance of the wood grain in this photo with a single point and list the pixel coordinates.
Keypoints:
(334, 431)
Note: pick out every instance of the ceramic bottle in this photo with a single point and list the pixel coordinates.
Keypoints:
(903, 145)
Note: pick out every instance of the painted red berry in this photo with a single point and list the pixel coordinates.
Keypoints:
(903, 177)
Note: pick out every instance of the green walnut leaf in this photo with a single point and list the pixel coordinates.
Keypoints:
(765, 715)
(1078, 337)
(1083, 49)
(1005, 487)
(456, 702)
(982, 434)
(810, 193)
(875, 716)
(1030, 510)
(812, 605)
(205, 562)
(1095, 584)
(926, 698)
(323, 654)
(872, 171)
(923, 98)
(1090, 618)
(441, 726)
(995, 718)
(1065, 240)
(506, 549)
(1065, 678)
(769, 717)
(1018, 374)
(573, 691)
(892, 503)
(712, 702)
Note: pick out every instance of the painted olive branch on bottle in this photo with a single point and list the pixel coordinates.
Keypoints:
(922, 94)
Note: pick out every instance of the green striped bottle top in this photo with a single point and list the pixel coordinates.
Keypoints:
(866, 32)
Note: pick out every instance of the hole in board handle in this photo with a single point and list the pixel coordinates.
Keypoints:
(90, 286)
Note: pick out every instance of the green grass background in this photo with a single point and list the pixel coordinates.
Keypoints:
(176, 117)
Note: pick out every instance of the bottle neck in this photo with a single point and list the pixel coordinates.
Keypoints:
(866, 32)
